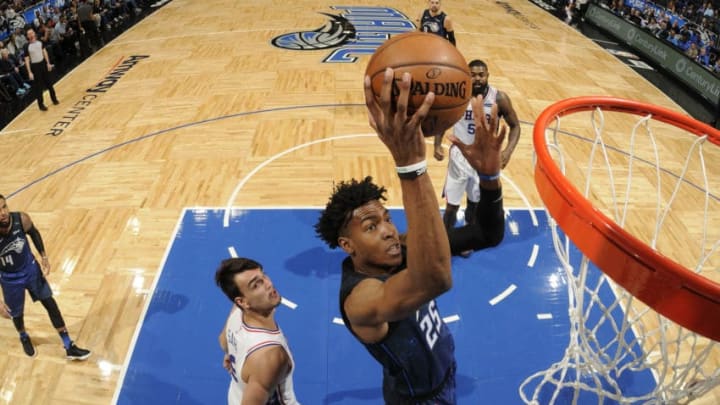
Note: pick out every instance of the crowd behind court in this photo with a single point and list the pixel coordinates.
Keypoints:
(71, 30)
(691, 26)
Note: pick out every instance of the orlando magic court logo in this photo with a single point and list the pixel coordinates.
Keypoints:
(335, 33)
(356, 31)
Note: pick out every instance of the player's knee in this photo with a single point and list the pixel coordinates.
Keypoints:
(496, 232)
(496, 236)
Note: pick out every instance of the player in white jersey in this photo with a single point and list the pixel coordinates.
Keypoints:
(257, 355)
(461, 177)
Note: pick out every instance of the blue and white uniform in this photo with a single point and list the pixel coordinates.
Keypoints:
(461, 178)
(242, 341)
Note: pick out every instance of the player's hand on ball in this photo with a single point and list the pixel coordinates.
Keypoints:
(401, 134)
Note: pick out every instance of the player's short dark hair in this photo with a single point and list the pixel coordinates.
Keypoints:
(346, 197)
(477, 63)
(225, 274)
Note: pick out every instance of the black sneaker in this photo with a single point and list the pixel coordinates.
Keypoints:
(43, 108)
(76, 353)
(55, 102)
(27, 346)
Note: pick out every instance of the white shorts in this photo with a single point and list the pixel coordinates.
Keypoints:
(461, 178)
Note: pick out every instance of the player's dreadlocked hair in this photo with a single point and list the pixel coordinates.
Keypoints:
(346, 197)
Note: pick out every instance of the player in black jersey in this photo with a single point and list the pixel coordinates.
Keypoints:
(435, 21)
(387, 295)
(19, 271)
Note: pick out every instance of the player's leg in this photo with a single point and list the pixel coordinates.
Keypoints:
(450, 215)
(488, 231)
(472, 192)
(39, 290)
(14, 297)
(453, 190)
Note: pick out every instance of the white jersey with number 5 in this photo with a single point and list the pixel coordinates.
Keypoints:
(243, 340)
(464, 129)
(461, 177)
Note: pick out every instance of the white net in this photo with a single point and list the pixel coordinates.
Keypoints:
(657, 182)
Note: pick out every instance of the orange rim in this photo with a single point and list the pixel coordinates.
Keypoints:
(672, 290)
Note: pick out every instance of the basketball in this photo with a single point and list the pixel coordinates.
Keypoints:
(435, 65)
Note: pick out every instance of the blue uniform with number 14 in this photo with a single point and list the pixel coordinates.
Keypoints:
(19, 270)
(417, 354)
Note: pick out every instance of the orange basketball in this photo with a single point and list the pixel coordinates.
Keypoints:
(435, 65)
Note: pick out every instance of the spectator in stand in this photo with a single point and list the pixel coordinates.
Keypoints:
(662, 32)
(709, 10)
(43, 33)
(653, 26)
(716, 66)
(692, 51)
(88, 25)
(688, 12)
(98, 12)
(10, 74)
(19, 39)
(64, 37)
(635, 16)
(568, 13)
(702, 57)
(10, 45)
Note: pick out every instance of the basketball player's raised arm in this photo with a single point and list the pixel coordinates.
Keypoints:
(484, 155)
(428, 251)
(506, 110)
(265, 369)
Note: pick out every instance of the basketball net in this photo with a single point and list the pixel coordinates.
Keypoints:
(643, 203)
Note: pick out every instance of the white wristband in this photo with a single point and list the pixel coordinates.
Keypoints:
(412, 168)
(412, 171)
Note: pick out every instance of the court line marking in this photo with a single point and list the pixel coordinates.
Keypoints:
(146, 306)
(288, 303)
(167, 130)
(241, 184)
(498, 298)
(533, 255)
(451, 318)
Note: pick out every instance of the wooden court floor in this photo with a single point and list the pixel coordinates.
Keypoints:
(176, 111)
